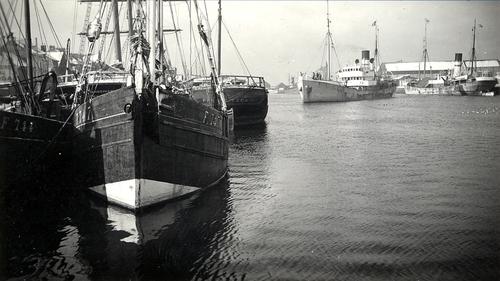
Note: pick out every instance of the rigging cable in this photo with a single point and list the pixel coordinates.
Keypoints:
(13, 13)
(179, 44)
(75, 16)
(17, 22)
(238, 52)
(11, 62)
(54, 33)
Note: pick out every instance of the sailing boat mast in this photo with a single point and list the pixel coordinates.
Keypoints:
(473, 58)
(116, 22)
(130, 19)
(152, 38)
(376, 56)
(328, 37)
(219, 40)
(160, 38)
(206, 38)
(425, 54)
(29, 57)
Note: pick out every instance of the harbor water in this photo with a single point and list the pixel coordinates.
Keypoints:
(406, 188)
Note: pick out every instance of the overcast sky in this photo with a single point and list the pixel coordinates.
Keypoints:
(276, 38)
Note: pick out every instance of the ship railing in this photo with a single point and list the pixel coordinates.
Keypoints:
(108, 76)
(67, 78)
(243, 80)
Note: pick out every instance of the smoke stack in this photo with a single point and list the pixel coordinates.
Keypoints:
(365, 58)
(365, 55)
(457, 65)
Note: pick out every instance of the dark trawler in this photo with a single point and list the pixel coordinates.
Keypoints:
(246, 95)
(474, 83)
(149, 141)
(34, 128)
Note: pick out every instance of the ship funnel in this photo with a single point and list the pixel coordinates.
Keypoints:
(365, 55)
(457, 65)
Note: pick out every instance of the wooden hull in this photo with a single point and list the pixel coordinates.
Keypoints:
(331, 91)
(440, 91)
(68, 89)
(7, 93)
(137, 154)
(32, 148)
(250, 104)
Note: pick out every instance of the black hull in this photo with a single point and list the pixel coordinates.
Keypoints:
(32, 148)
(137, 154)
(249, 104)
(95, 89)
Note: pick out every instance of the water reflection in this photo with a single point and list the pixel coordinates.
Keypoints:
(80, 236)
(35, 232)
(171, 241)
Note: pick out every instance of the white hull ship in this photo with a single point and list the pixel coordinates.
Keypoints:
(355, 83)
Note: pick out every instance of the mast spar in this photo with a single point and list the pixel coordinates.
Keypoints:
(152, 39)
(29, 57)
(425, 54)
(328, 37)
(473, 58)
(219, 39)
(116, 22)
(376, 55)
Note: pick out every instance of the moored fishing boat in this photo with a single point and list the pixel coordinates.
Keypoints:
(246, 96)
(34, 132)
(429, 86)
(426, 85)
(150, 141)
(474, 83)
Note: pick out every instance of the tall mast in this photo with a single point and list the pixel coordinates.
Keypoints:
(130, 19)
(206, 38)
(219, 40)
(425, 54)
(160, 36)
(376, 55)
(328, 35)
(68, 52)
(29, 57)
(473, 58)
(116, 21)
(152, 38)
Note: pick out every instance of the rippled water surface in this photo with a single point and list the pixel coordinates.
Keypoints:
(406, 188)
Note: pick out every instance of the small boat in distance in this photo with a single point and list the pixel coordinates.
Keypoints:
(428, 86)
(474, 83)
